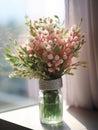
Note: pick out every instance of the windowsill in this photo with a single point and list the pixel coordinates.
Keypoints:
(9, 102)
(74, 119)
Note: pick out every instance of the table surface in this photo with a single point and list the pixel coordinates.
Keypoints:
(73, 119)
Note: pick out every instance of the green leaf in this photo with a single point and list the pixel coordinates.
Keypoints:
(15, 42)
(7, 49)
(56, 16)
(65, 31)
(56, 50)
(80, 22)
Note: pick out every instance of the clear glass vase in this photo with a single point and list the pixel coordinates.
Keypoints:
(50, 101)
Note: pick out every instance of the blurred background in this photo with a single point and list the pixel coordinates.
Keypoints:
(17, 92)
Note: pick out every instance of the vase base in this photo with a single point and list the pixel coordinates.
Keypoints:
(51, 122)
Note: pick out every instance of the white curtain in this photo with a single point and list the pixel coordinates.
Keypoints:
(82, 88)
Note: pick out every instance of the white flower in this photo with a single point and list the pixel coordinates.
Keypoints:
(45, 32)
(45, 42)
(49, 64)
(50, 56)
(30, 55)
(56, 57)
(58, 68)
(48, 48)
(50, 41)
(61, 61)
(55, 40)
(73, 28)
(76, 46)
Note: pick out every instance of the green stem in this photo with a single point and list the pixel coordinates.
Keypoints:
(51, 109)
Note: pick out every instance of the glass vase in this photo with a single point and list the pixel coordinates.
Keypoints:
(50, 101)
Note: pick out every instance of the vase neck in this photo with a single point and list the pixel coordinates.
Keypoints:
(50, 84)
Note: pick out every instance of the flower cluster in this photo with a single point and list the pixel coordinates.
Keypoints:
(48, 51)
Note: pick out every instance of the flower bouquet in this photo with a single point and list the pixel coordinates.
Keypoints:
(47, 55)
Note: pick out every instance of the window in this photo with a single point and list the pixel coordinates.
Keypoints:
(17, 92)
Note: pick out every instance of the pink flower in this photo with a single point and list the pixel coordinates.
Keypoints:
(56, 63)
(68, 62)
(59, 40)
(50, 70)
(61, 52)
(68, 50)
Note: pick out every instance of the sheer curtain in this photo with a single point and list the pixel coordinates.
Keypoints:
(82, 88)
